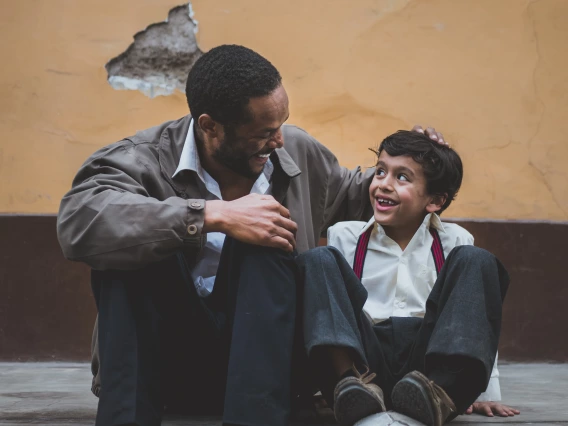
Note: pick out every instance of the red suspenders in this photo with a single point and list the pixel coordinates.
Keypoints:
(437, 251)
(363, 243)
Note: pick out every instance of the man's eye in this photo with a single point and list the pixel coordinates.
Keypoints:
(267, 136)
(402, 177)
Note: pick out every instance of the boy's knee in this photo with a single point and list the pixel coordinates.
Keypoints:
(324, 254)
(472, 254)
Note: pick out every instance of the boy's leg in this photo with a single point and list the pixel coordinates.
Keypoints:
(256, 288)
(457, 343)
(337, 333)
(152, 330)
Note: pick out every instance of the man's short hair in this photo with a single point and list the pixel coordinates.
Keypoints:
(223, 80)
(442, 165)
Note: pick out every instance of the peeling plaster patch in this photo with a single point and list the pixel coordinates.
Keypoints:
(158, 61)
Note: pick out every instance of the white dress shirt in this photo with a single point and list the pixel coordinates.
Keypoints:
(205, 269)
(399, 282)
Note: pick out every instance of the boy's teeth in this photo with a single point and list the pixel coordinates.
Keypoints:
(264, 155)
(382, 200)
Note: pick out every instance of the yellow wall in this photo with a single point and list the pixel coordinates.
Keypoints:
(490, 74)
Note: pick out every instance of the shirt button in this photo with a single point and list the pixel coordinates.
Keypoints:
(401, 305)
(192, 229)
(196, 205)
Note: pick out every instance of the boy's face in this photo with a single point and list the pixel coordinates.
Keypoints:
(398, 193)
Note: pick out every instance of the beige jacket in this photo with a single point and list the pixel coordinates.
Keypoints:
(125, 210)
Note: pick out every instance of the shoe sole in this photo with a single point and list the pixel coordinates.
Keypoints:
(411, 398)
(354, 403)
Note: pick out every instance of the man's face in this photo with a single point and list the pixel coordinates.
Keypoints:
(398, 192)
(245, 149)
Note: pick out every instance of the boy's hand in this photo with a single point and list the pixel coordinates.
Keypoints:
(431, 133)
(490, 408)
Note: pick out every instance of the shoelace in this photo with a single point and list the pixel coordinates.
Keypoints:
(367, 377)
(442, 395)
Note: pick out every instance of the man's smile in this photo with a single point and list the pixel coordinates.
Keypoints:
(261, 157)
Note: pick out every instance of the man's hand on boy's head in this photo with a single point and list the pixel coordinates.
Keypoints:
(431, 133)
(490, 408)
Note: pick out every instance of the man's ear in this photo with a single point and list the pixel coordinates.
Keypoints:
(436, 203)
(208, 126)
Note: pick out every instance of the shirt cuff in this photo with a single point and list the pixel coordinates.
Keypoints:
(493, 391)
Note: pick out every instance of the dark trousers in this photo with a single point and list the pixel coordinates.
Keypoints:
(161, 345)
(459, 332)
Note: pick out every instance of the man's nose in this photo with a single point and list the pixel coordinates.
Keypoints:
(277, 141)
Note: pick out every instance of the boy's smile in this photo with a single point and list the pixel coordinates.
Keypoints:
(399, 196)
(385, 203)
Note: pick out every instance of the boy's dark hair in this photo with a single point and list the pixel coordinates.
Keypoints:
(442, 165)
(222, 81)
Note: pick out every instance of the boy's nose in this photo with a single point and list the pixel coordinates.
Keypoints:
(386, 184)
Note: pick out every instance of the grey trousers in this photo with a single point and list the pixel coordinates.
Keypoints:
(462, 321)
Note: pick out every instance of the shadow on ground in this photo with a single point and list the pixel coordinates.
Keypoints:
(59, 394)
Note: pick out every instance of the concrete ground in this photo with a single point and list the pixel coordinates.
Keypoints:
(58, 394)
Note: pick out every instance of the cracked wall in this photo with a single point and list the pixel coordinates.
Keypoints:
(158, 60)
(491, 75)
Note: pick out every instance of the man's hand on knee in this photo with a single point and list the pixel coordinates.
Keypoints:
(254, 219)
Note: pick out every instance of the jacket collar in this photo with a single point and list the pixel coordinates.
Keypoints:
(288, 165)
(171, 145)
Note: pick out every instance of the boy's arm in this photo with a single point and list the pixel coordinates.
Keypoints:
(488, 402)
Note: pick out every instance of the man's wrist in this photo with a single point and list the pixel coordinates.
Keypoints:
(215, 220)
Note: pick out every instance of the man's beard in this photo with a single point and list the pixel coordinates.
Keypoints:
(233, 158)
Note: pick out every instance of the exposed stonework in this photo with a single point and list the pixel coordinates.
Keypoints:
(158, 61)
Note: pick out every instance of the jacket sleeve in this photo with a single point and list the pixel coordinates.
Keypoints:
(347, 191)
(109, 221)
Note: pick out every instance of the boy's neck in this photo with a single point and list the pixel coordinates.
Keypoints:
(402, 235)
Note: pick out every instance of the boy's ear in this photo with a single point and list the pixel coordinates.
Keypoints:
(436, 203)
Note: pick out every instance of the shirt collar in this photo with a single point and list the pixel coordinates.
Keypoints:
(189, 160)
(434, 221)
(431, 220)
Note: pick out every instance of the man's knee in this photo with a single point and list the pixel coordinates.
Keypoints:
(256, 253)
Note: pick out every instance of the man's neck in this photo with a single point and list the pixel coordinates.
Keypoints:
(231, 184)
(402, 235)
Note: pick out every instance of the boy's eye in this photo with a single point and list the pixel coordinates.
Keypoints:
(402, 177)
(381, 172)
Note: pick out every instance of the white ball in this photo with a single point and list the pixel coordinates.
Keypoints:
(390, 418)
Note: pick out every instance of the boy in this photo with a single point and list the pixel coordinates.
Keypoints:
(415, 307)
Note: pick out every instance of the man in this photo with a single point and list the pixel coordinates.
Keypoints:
(187, 319)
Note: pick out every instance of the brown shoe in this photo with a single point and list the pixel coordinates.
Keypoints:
(356, 398)
(418, 397)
